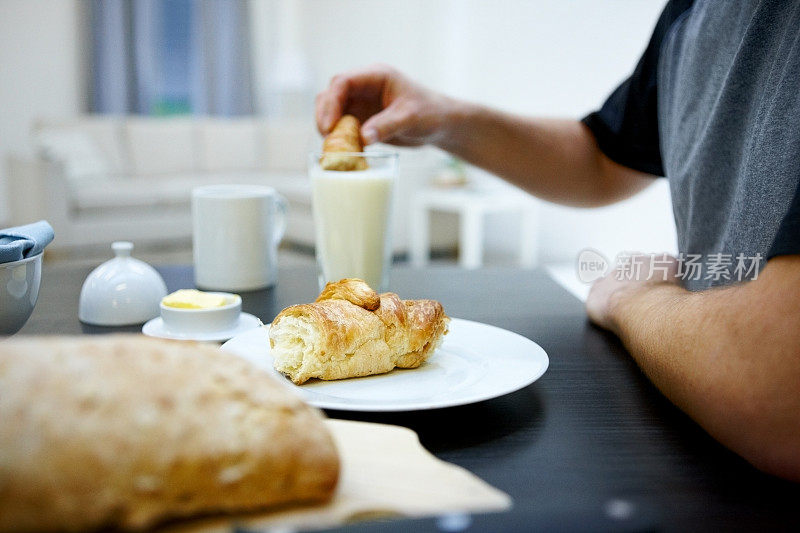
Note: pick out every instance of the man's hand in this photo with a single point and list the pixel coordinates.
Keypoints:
(557, 160)
(392, 108)
(640, 274)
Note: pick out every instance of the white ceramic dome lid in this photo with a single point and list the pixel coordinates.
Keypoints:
(121, 291)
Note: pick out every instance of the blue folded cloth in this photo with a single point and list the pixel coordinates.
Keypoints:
(24, 241)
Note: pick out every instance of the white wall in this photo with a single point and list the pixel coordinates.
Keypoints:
(41, 61)
(538, 57)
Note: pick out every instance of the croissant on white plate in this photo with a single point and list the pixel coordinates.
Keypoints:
(352, 331)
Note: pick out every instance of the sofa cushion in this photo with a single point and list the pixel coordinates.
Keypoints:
(105, 131)
(74, 149)
(288, 143)
(177, 188)
(230, 144)
(161, 145)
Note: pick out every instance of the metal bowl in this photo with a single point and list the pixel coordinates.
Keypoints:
(19, 290)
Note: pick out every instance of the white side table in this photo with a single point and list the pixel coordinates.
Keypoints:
(471, 205)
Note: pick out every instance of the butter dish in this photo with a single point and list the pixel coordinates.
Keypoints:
(122, 291)
(184, 320)
(157, 328)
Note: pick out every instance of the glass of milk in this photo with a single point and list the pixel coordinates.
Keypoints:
(352, 219)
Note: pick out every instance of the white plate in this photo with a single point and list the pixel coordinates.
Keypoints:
(247, 322)
(475, 362)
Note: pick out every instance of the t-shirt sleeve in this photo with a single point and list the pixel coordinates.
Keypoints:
(626, 126)
(787, 240)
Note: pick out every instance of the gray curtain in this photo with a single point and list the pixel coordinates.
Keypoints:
(158, 57)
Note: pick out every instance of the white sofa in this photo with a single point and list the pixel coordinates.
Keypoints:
(103, 178)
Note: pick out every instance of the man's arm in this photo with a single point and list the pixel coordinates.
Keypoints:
(729, 357)
(557, 160)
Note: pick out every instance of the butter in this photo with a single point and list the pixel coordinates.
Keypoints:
(194, 299)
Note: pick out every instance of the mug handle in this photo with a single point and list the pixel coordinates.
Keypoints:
(279, 220)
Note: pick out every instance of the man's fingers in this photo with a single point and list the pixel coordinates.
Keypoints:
(330, 104)
(383, 126)
(320, 113)
(365, 84)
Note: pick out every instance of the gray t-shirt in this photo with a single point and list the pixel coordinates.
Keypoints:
(718, 91)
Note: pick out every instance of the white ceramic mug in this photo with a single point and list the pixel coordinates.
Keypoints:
(236, 231)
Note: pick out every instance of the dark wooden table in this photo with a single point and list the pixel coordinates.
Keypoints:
(592, 445)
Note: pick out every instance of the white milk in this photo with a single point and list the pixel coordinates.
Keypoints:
(351, 222)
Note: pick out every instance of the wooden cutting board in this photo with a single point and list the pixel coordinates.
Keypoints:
(385, 472)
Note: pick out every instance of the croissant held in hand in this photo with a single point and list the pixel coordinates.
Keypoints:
(352, 331)
(343, 140)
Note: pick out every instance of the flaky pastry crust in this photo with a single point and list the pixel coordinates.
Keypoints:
(343, 335)
(343, 140)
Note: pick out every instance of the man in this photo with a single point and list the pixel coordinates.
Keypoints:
(713, 105)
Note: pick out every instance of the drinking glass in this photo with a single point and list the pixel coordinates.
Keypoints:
(352, 218)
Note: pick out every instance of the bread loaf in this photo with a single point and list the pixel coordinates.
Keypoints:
(126, 431)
